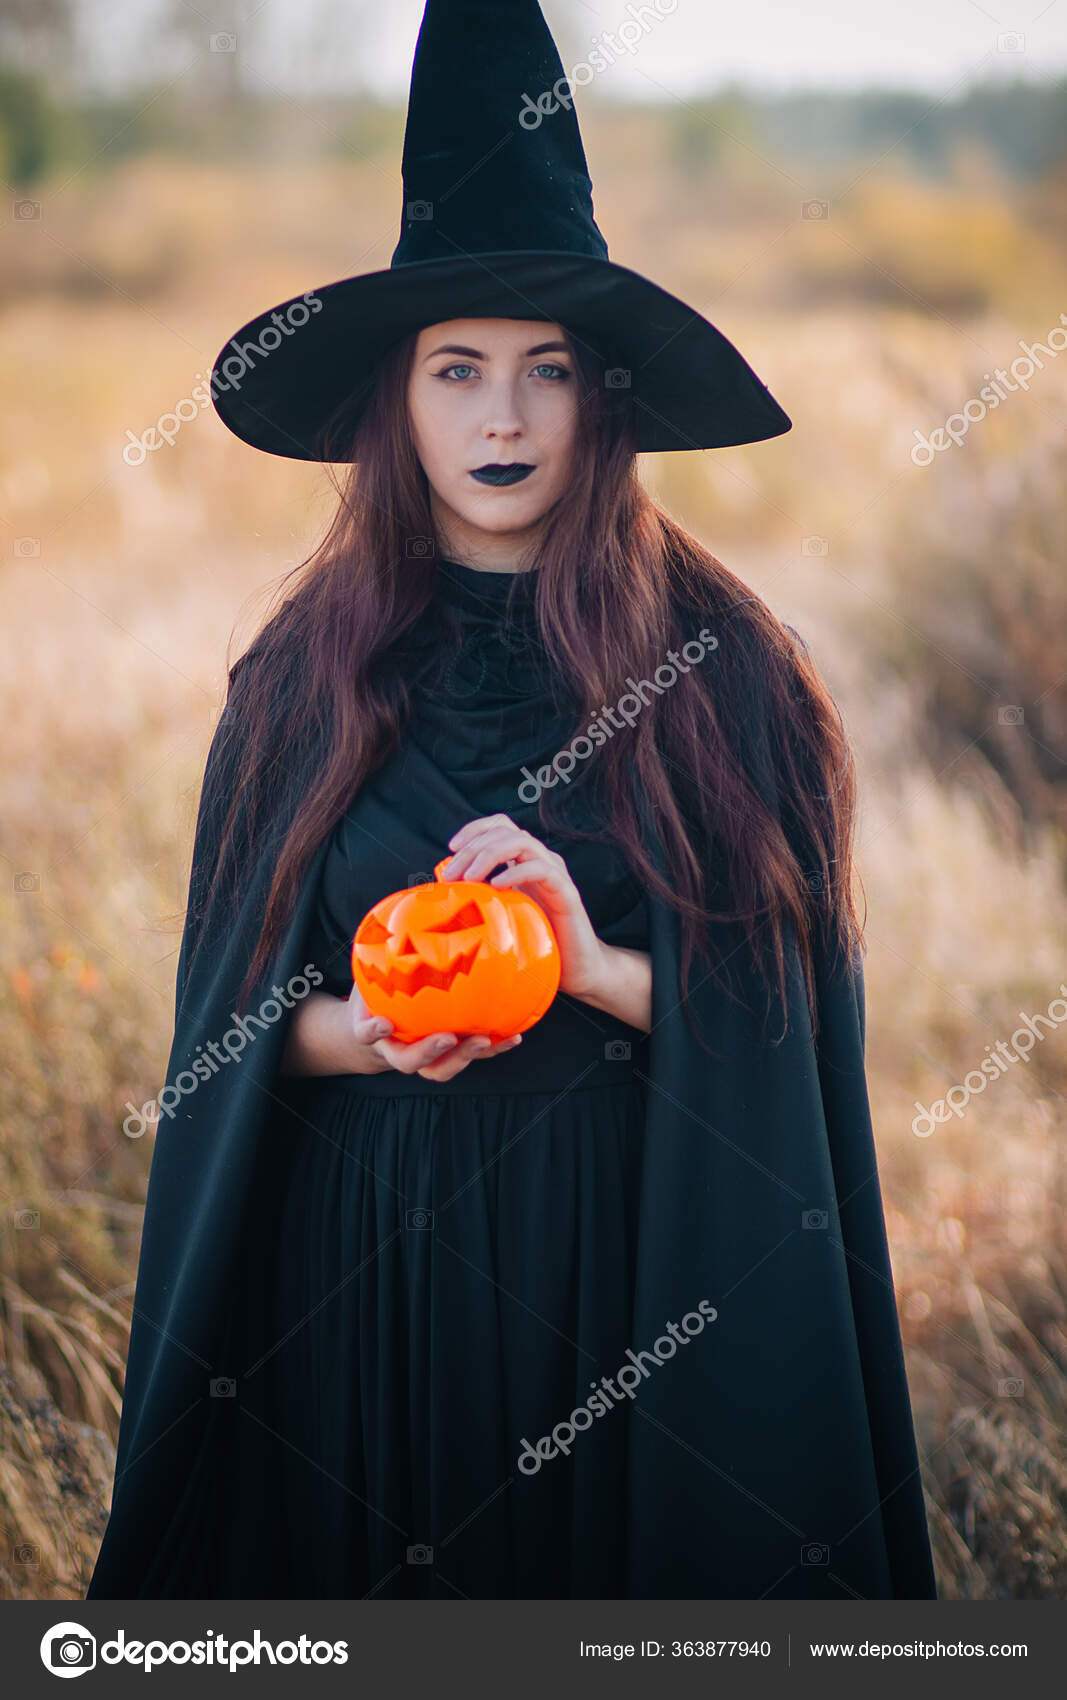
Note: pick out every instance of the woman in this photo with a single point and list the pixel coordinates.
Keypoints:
(609, 1314)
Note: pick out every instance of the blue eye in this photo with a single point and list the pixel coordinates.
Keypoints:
(558, 372)
(459, 366)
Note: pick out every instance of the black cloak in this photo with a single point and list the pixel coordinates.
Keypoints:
(775, 1459)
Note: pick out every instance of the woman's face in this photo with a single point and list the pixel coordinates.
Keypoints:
(487, 394)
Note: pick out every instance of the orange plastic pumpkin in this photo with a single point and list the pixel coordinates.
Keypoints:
(460, 956)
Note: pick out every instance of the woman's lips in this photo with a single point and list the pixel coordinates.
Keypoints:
(510, 474)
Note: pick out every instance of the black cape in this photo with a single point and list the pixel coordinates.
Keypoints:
(773, 1458)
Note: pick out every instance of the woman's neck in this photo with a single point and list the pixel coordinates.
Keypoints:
(485, 551)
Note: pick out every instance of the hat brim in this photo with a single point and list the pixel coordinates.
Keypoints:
(276, 385)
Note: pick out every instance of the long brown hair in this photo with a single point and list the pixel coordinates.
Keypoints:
(742, 769)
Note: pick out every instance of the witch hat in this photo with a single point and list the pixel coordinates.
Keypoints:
(497, 222)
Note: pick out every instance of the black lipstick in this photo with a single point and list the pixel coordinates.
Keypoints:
(497, 474)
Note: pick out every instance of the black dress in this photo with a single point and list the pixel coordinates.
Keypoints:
(456, 1260)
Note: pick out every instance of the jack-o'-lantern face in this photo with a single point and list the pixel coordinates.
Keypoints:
(458, 956)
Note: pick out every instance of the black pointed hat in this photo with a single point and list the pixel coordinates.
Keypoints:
(497, 222)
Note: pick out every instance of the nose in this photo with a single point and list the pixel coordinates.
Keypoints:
(503, 421)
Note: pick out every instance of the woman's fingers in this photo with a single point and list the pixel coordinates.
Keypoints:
(474, 859)
(409, 1056)
(438, 1056)
(368, 1028)
(443, 1065)
(473, 1049)
(365, 1024)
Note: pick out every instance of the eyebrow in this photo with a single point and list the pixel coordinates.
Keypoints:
(476, 354)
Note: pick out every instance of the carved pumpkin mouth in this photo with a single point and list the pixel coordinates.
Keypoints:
(405, 961)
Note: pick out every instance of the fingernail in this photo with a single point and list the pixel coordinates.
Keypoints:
(443, 1045)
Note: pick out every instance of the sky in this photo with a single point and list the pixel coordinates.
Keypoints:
(675, 47)
(782, 44)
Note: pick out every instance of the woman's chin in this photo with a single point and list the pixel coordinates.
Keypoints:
(498, 511)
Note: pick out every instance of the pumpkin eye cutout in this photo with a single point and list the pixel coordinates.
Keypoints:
(469, 916)
(435, 959)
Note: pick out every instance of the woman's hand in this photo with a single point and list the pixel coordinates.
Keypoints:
(542, 874)
(609, 977)
(436, 1057)
(331, 1035)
